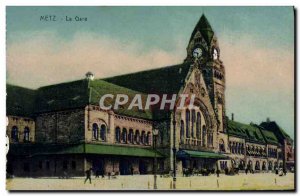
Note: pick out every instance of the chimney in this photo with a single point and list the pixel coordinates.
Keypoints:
(268, 119)
(232, 116)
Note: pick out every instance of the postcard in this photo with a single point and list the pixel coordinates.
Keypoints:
(111, 98)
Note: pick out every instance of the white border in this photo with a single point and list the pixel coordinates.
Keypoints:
(111, 3)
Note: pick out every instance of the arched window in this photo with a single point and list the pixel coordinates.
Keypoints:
(250, 165)
(233, 147)
(242, 149)
(137, 136)
(143, 137)
(103, 132)
(264, 166)
(187, 121)
(242, 165)
(208, 139)
(181, 131)
(15, 134)
(95, 131)
(270, 167)
(26, 134)
(130, 136)
(221, 146)
(193, 123)
(198, 126)
(257, 165)
(118, 134)
(124, 135)
(204, 135)
(237, 148)
(211, 139)
(148, 138)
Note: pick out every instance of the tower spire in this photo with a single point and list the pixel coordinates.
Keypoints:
(205, 29)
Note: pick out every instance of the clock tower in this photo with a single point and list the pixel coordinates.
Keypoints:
(203, 48)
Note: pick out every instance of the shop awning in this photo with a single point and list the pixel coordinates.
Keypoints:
(99, 149)
(121, 150)
(200, 154)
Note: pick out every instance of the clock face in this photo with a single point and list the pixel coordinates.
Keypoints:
(197, 52)
(215, 54)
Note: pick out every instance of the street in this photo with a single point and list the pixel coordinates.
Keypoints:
(263, 181)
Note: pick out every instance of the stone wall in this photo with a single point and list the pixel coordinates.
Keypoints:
(61, 127)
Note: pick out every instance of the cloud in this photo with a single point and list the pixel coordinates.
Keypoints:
(43, 58)
(250, 65)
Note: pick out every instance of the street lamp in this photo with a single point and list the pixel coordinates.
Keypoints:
(155, 134)
(174, 150)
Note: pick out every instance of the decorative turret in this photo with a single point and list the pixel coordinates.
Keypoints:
(89, 76)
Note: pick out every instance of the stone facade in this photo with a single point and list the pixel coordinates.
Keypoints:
(20, 129)
(60, 127)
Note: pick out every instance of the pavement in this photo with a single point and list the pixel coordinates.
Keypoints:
(259, 181)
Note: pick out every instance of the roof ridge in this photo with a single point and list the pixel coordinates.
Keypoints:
(13, 85)
(144, 71)
(123, 87)
(62, 83)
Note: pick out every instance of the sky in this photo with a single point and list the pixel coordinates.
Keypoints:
(256, 46)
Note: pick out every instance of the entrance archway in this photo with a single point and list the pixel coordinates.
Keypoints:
(142, 167)
(124, 167)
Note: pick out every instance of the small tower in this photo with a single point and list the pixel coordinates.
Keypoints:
(203, 48)
(89, 76)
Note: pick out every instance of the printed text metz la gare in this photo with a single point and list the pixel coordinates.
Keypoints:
(54, 18)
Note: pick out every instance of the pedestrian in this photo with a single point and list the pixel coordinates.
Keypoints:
(88, 175)
(102, 173)
(226, 170)
(131, 169)
(218, 173)
(284, 171)
(246, 171)
(97, 173)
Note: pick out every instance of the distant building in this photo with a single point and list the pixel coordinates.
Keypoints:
(61, 128)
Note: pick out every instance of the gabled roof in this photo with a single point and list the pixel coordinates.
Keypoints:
(62, 96)
(100, 88)
(276, 129)
(19, 101)
(236, 128)
(249, 132)
(166, 80)
(69, 95)
(269, 136)
(205, 29)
